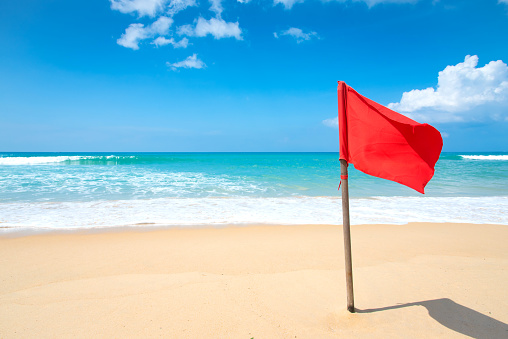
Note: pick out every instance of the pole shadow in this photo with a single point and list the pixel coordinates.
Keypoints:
(456, 317)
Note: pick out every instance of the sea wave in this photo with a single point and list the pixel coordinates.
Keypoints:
(485, 157)
(41, 160)
(222, 211)
(121, 182)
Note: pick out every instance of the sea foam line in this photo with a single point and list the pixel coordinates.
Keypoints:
(38, 160)
(485, 157)
(219, 211)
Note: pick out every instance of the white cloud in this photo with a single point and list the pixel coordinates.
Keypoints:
(502, 1)
(162, 41)
(132, 36)
(370, 3)
(176, 6)
(463, 92)
(185, 30)
(182, 43)
(215, 26)
(191, 62)
(142, 7)
(218, 28)
(216, 7)
(296, 33)
(243, 1)
(332, 122)
(137, 32)
(151, 7)
(286, 3)
(161, 26)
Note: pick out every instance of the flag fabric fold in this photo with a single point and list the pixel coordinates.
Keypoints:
(384, 143)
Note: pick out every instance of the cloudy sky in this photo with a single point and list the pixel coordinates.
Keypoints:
(245, 75)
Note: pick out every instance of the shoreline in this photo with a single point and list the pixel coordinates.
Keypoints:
(246, 210)
(415, 280)
(8, 232)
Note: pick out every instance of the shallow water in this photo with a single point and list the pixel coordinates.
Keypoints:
(83, 190)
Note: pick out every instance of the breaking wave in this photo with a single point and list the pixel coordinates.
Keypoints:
(485, 157)
(221, 211)
(41, 160)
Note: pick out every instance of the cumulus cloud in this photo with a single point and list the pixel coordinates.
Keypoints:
(332, 122)
(502, 1)
(288, 4)
(182, 43)
(151, 7)
(371, 3)
(185, 30)
(162, 41)
(191, 62)
(142, 7)
(216, 7)
(132, 36)
(161, 26)
(176, 6)
(464, 92)
(137, 32)
(297, 34)
(216, 27)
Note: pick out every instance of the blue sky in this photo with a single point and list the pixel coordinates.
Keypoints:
(258, 75)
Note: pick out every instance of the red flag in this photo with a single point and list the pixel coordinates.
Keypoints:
(384, 143)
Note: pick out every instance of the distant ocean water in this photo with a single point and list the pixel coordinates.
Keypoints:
(87, 190)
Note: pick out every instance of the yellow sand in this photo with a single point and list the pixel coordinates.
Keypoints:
(411, 281)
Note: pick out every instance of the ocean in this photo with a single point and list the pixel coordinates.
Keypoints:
(47, 191)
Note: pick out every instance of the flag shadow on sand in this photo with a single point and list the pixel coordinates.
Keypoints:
(456, 317)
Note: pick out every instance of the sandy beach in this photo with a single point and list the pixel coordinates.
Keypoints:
(418, 280)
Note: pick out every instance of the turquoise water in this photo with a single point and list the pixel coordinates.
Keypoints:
(62, 189)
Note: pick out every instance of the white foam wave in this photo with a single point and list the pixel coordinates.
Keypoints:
(217, 211)
(485, 157)
(36, 160)
(51, 159)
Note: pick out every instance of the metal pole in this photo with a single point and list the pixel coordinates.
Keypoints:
(347, 236)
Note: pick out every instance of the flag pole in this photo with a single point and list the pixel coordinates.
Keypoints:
(347, 236)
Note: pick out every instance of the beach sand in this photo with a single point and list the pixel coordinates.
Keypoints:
(412, 281)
